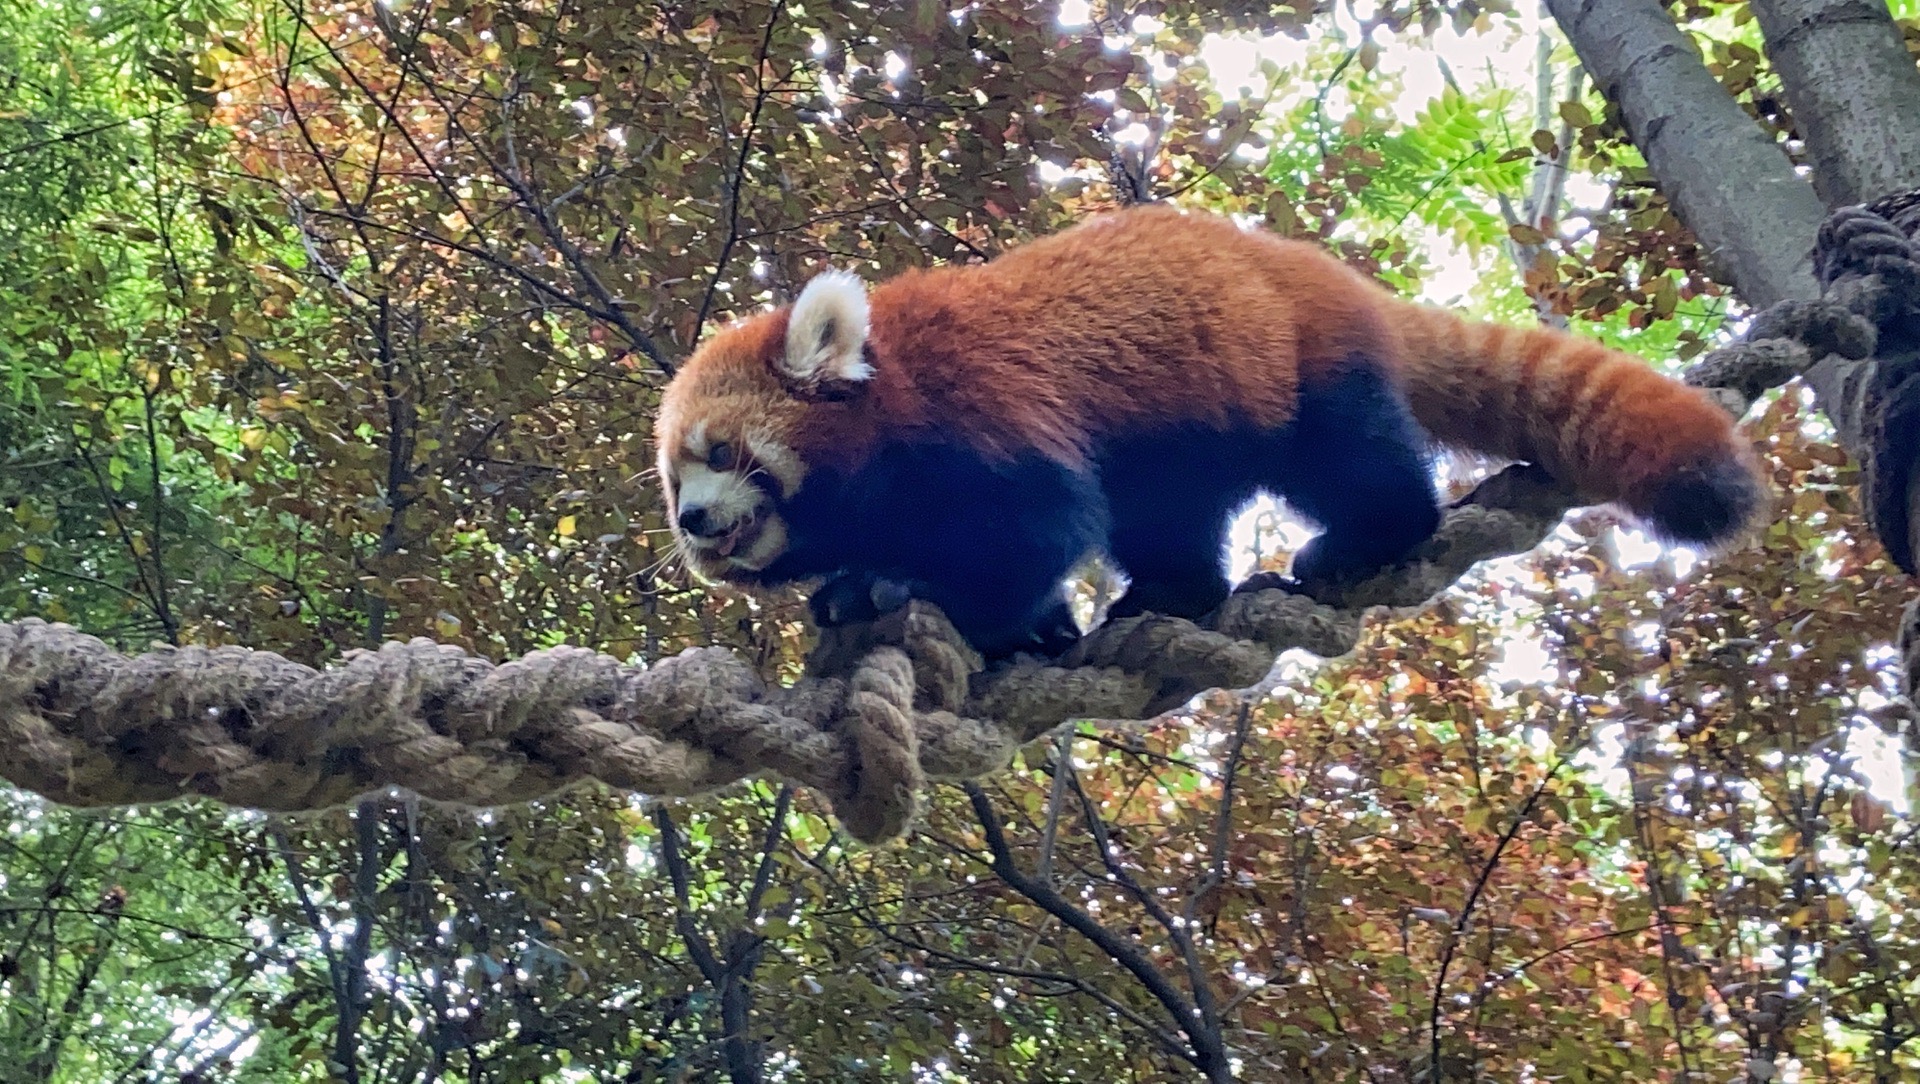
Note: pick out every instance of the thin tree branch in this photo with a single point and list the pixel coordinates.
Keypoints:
(1206, 1050)
(737, 180)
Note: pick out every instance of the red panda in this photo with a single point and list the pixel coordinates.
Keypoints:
(967, 434)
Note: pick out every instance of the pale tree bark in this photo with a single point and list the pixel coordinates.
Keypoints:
(1855, 97)
(1854, 92)
(1725, 177)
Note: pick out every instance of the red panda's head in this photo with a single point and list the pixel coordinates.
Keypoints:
(734, 423)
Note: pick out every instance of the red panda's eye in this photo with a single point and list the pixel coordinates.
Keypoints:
(720, 456)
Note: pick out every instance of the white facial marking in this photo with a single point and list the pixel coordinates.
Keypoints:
(768, 543)
(696, 442)
(728, 498)
(778, 460)
(827, 331)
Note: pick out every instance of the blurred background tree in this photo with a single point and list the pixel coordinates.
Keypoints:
(327, 323)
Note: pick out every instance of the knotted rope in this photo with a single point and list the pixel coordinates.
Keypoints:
(885, 707)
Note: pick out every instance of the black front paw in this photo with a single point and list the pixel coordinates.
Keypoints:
(1320, 566)
(1050, 630)
(1057, 631)
(853, 598)
(1268, 581)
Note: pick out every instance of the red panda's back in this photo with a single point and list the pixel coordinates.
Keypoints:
(1134, 320)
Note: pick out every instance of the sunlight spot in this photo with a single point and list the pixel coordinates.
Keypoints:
(1244, 65)
(1266, 527)
(1075, 13)
(1632, 548)
(1645, 635)
(1602, 758)
(1685, 559)
(1880, 758)
(1524, 660)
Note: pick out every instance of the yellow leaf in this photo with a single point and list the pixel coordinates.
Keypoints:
(1477, 818)
(1526, 235)
(253, 438)
(566, 526)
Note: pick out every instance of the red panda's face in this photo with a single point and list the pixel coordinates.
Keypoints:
(731, 421)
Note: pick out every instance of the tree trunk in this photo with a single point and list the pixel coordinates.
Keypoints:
(1855, 96)
(1854, 92)
(1727, 180)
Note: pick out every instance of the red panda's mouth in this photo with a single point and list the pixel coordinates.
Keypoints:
(742, 535)
(737, 552)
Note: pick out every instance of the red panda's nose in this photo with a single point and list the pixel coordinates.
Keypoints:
(695, 521)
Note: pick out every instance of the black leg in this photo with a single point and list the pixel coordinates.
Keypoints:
(851, 597)
(1171, 495)
(1354, 461)
(997, 618)
(1173, 565)
(989, 543)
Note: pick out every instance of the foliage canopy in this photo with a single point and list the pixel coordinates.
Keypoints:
(326, 323)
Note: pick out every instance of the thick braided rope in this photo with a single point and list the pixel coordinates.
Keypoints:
(885, 707)
(904, 700)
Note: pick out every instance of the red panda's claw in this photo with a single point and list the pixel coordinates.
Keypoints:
(1056, 638)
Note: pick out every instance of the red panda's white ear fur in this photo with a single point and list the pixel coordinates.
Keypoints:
(827, 332)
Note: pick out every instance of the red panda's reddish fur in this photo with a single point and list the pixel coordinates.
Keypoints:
(1160, 367)
(1172, 317)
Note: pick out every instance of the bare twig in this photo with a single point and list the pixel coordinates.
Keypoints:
(1207, 1049)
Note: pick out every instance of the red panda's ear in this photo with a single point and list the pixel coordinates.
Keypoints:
(826, 348)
